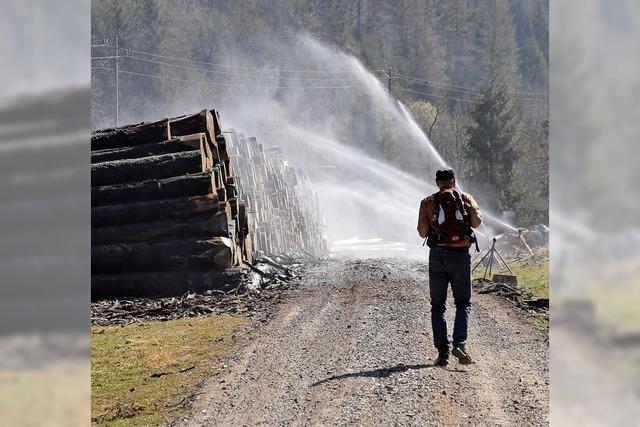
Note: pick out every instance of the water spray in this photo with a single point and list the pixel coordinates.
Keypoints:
(333, 128)
(420, 133)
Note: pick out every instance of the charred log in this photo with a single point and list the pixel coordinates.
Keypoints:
(142, 133)
(214, 253)
(153, 189)
(155, 210)
(203, 226)
(144, 168)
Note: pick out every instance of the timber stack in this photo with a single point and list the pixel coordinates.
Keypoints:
(285, 213)
(168, 214)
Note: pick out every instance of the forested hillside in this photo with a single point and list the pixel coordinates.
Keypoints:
(472, 72)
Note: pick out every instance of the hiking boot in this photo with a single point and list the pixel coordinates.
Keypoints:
(461, 354)
(442, 359)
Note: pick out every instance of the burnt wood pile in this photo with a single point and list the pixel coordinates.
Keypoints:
(168, 215)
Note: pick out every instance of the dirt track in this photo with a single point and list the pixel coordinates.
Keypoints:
(351, 345)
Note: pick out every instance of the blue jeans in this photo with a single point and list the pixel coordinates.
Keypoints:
(446, 266)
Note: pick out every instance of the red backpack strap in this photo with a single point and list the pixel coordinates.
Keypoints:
(436, 207)
(459, 201)
(435, 227)
(434, 230)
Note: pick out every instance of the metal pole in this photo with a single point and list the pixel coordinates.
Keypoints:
(505, 264)
(498, 262)
(486, 269)
(524, 242)
(490, 266)
(389, 79)
(117, 82)
(480, 262)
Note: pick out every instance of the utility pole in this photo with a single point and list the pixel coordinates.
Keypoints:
(117, 81)
(389, 79)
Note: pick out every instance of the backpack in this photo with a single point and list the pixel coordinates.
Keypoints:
(450, 221)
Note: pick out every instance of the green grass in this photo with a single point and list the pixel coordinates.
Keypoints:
(532, 273)
(123, 360)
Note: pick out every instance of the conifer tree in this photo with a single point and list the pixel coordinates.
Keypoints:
(493, 138)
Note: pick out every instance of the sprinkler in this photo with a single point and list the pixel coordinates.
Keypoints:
(524, 242)
(493, 254)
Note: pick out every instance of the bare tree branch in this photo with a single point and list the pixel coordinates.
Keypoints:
(435, 118)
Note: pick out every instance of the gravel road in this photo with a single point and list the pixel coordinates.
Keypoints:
(351, 345)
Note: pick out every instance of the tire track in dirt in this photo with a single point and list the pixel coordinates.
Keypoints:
(351, 345)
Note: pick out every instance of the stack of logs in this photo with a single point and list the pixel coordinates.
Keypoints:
(168, 215)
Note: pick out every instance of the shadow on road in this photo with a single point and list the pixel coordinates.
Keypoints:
(379, 373)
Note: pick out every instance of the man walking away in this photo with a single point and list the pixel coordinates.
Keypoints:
(446, 220)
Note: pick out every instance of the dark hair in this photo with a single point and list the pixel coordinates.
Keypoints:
(445, 174)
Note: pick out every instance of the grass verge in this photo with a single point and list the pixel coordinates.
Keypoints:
(143, 374)
(532, 273)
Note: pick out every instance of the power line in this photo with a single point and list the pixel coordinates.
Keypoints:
(205, 70)
(434, 95)
(478, 94)
(233, 84)
(117, 81)
(458, 99)
(434, 83)
(329, 79)
(345, 79)
(461, 88)
(210, 83)
(471, 89)
(464, 90)
(214, 64)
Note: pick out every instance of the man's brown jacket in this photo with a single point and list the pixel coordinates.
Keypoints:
(426, 211)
